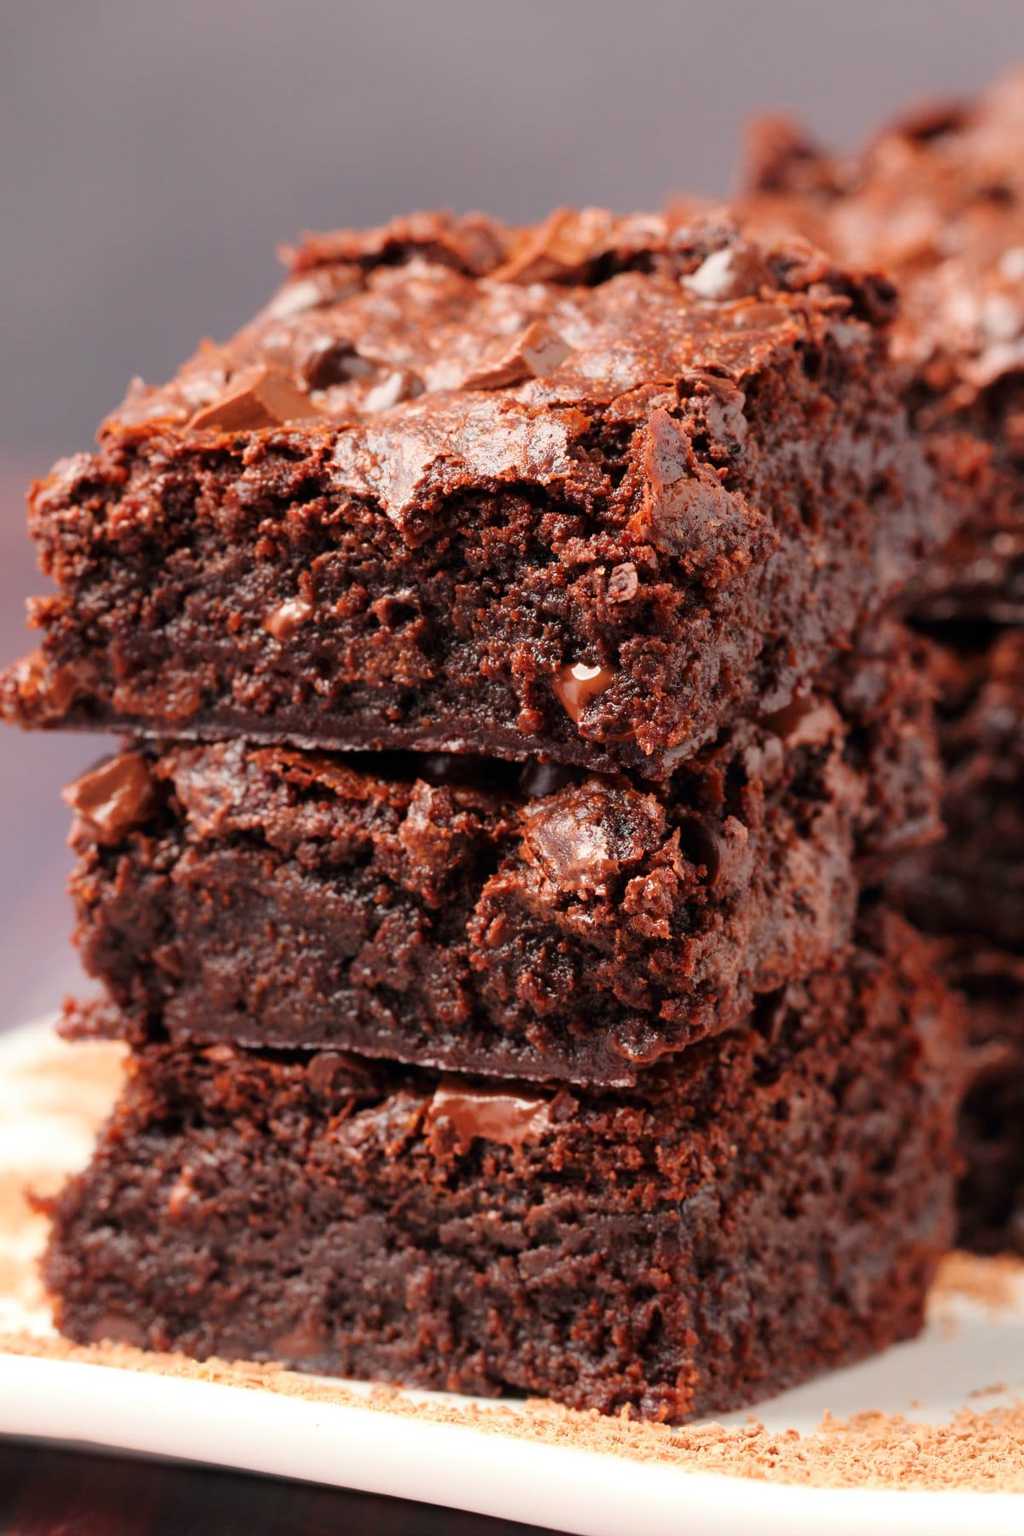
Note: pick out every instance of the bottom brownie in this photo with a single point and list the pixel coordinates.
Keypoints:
(772, 1203)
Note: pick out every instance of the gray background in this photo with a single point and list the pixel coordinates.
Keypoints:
(152, 155)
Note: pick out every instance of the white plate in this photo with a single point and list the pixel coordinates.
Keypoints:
(51, 1097)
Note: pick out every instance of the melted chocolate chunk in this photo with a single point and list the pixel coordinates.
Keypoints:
(477, 1113)
(577, 684)
(114, 797)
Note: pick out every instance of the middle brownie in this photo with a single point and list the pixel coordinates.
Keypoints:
(470, 915)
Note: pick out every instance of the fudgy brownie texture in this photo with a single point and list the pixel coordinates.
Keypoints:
(936, 200)
(990, 1197)
(466, 914)
(771, 1204)
(585, 491)
(972, 882)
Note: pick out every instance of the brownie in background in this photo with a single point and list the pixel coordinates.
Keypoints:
(936, 200)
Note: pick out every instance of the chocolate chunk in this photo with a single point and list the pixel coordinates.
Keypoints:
(561, 247)
(534, 352)
(47, 693)
(687, 511)
(289, 617)
(256, 397)
(577, 684)
(114, 797)
(721, 402)
(330, 360)
(735, 271)
(472, 1113)
(580, 839)
(674, 475)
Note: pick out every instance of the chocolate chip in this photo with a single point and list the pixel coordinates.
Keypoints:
(687, 510)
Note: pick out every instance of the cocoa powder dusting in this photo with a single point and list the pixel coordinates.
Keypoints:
(981, 1451)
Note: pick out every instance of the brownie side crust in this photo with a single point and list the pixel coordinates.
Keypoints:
(936, 200)
(455, 914)
(587, 494)
(770, 1205)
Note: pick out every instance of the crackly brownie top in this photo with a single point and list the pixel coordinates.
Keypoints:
(439, 349)
(937, 201)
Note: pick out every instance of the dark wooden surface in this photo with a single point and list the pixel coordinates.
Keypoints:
(53, 1491)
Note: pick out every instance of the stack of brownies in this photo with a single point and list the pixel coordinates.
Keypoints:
(937, 200)
(517, 738)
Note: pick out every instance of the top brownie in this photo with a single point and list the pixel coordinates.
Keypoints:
(937, 201)
(585, 491)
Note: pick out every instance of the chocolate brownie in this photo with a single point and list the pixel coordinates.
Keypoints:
(937, 201)
(467, 914)
(972, 882)
(585, 491)
(970, 887)
(990, 1196)
(770, 1204)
